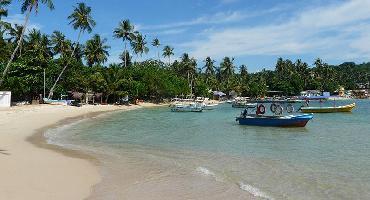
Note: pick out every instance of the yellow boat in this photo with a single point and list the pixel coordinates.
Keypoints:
(346, 108)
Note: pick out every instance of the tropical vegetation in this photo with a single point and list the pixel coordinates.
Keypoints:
(75, 66)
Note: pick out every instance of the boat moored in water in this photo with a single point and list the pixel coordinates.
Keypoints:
(278, 121)
(332, 109)
(193, 107)
(258, 118)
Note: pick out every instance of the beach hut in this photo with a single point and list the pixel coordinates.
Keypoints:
(5, 99)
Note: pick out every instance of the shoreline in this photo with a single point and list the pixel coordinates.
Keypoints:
(42, 170)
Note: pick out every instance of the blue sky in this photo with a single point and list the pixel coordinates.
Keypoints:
(254, 32)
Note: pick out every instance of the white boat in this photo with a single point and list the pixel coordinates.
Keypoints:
(209, 106)
(193, 107)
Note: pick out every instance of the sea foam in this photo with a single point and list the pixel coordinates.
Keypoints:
(254, 191)
(206, 172)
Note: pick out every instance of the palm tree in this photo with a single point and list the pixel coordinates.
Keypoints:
(39, 45)
(139, 45)
(96, 51)
(209, 68)
(126, 58)
(243, 71)
(156, 44)
(168, 52)
(80, 19)
(15, 36)
(27, 6)
(3, 11)
(126, 32)
(58, 39)
(227, 69)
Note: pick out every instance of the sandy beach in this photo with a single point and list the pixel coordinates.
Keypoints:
(30, 172)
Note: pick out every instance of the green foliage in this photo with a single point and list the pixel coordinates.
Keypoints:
(150, 79)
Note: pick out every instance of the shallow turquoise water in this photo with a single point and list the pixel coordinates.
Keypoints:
(328, 159)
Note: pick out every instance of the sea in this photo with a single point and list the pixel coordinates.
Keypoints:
(156, 154)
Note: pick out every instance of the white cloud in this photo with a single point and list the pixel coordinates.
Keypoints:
(218, 18)
(19, 19)
(171, 31)
(331, 31)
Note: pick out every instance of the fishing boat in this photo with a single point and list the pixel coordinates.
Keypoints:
(258, 117)
(279, 121)
(193, 107)
(332, 109)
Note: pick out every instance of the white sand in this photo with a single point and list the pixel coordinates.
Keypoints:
(30, 172)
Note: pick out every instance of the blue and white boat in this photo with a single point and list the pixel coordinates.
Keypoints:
(279, 121)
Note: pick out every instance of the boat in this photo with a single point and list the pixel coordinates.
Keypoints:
(244, 105)
(209, 106)
(332, 109)
(57, 102)
(278, 121)
(193, 107)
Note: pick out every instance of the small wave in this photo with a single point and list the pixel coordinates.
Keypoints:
(205, 171)
(54, 136)
(254, 191)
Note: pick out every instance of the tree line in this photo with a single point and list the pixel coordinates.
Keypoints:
(73, 66)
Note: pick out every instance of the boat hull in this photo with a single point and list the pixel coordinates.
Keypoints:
(287, 121)
(186, 109)
(347, 108)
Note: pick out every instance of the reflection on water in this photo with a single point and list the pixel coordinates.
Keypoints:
(157, 154)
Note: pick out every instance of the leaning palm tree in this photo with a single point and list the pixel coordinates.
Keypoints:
(156, 44)
(96, 51)
(168, 52)
(126, 32)
(27, 7)
(80, 19)
(139, 45)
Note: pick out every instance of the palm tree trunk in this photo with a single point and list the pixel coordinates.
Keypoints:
(125, 54)
(5, 72)
(159, 59)
(65, 67)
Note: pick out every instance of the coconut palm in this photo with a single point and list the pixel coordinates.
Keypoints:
(168, 52)
(15, 36)
(81, 20)
(139, 45)
(27, 7)
(209, 68)
(156, 43)
(227, 68)
(126, 32)
(96, 51)
(39, 46)
(58, 40)
(126, 58)
(3, 11)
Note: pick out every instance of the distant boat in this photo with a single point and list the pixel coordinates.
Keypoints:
(278, 121)
(209, 106)
(333, 109)
(193, 107)
(243, 104)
